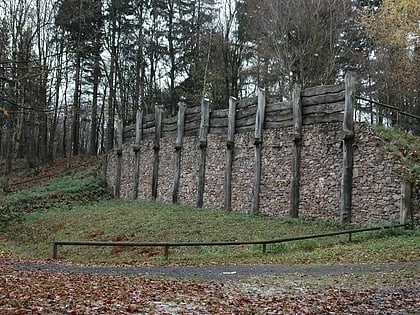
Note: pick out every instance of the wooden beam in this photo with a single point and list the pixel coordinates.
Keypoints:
(178, 149)
(229, 153)
(296, 151)
(204, 129)
(347, 171)
(259, 125)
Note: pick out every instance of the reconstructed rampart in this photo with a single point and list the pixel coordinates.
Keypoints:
(268, 157)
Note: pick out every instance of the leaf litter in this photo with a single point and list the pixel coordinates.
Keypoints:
(28, 291)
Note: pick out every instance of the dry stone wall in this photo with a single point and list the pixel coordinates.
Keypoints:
(376, 177)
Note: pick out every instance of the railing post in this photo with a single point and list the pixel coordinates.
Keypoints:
(166, 252)
(55, 249)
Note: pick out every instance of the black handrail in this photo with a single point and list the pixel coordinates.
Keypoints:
(167, 245)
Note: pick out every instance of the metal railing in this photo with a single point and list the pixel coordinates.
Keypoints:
(264, 243)
(377, 112)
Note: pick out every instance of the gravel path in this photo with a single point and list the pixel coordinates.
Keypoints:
(219, 272)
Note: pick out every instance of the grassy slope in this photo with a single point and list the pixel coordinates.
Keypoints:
(153, 221)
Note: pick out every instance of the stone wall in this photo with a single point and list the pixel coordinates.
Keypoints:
(377, 175)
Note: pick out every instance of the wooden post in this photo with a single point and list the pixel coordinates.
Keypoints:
(229, 153)
(204, 129)
(296, 151)
(178, 148)
(156, 148)
(405, 212)
(348, 138)
(259, 124)
(136, 149)
(119, 159)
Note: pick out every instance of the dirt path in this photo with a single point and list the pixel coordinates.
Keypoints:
(222, 272)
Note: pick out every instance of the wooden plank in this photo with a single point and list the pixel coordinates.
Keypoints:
(169, 128)
(347, 171)
(279, 106)
(178, 148)
(247, 102)
(192, 118)
(259, 125)
(323, 99)
(246, 122)
(230, 145)
(296, 152)
(278, 116)
(219, 113)
(322, 89)
(204, 129)
(192, 126)
(246, 113)
(193, 110)
(327, 108)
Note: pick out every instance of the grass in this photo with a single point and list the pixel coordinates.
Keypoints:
(147, 221)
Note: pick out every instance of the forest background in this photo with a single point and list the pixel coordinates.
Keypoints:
(69, 69)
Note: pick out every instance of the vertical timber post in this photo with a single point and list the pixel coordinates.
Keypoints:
(136, 149)
(178, 149)
(230, 145)
(204, 129)
(156, 148)
(296, 151)
(405, 212)
(348, 138)
(259, 124)
(119, 158)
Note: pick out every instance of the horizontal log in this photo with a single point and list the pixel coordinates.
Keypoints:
(323, 118)
(246, 102)
(219, 122)
(170, 120)
(192, 117)
(323, 108)
(278, 124)
(280, 106)
(193, 110)
(192, 125)
(148, 124)
(219, 113)
(246, 112)
(248, 121)
(323, 89)
(149, 130)
(323, 99)
(279, 117)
